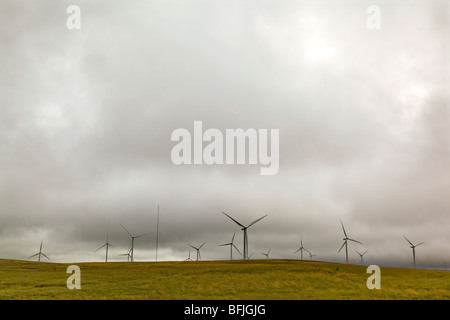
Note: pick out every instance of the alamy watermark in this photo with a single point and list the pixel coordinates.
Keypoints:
(235, 146)
(374, 281)
(74, 280)
(374, 19)
(73, 21)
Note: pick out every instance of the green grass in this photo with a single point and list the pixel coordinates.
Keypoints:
(243, 280)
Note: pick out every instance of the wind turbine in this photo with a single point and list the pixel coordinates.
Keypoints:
(231, 244)
(345, 242)
(266, 254)
(39, 254)
(311, 255)
(127, 254)
(199, 256)
(107, 244)
(188, 258)
(301, 248)
(244, 228)
(132, 242)
(413, 247)
(361, 255)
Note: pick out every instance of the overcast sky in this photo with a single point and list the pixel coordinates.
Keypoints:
(86, 118)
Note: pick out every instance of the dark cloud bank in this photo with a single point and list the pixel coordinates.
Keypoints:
(86, 117)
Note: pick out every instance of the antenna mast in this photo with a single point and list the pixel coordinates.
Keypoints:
(157, 234)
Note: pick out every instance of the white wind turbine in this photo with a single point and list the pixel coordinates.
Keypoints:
(107, 245)
(199, 257)
(132, 242)
(231, 244)
(361, 255)
(39, 254)
(311, 255)
(189, 257)
(244, 228)
(345, 242)
(266, 254)
(301, 248)
(413, 247)
(127, 254)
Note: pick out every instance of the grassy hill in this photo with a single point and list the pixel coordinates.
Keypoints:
(243, 280)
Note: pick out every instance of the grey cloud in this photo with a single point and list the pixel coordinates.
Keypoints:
(87, 115)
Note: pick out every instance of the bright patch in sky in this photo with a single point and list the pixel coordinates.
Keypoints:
(412, 99)
(298, 41)
(316, 44)
(318, 50)
(51, 118)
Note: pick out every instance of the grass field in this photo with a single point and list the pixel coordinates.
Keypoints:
(243, 280)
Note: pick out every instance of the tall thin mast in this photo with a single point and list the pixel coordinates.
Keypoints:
(157, 234)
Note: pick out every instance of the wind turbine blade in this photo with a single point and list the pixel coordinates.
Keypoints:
(341, 247)
(100, 248)
(364, 252)
(297, 251)
(111, 245)
(225, 244)
(419, 244)
(46, 256)
(126, 230)
(256, 221)
(269, 250)
(236, 249)
(192, 247)
(232, 239)
(355, 240)
(201, 245)
(343, 229)
(144, 234)
(233, 220)
(408, 240)
(358, 252)
(40, 248)
(34, 255)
